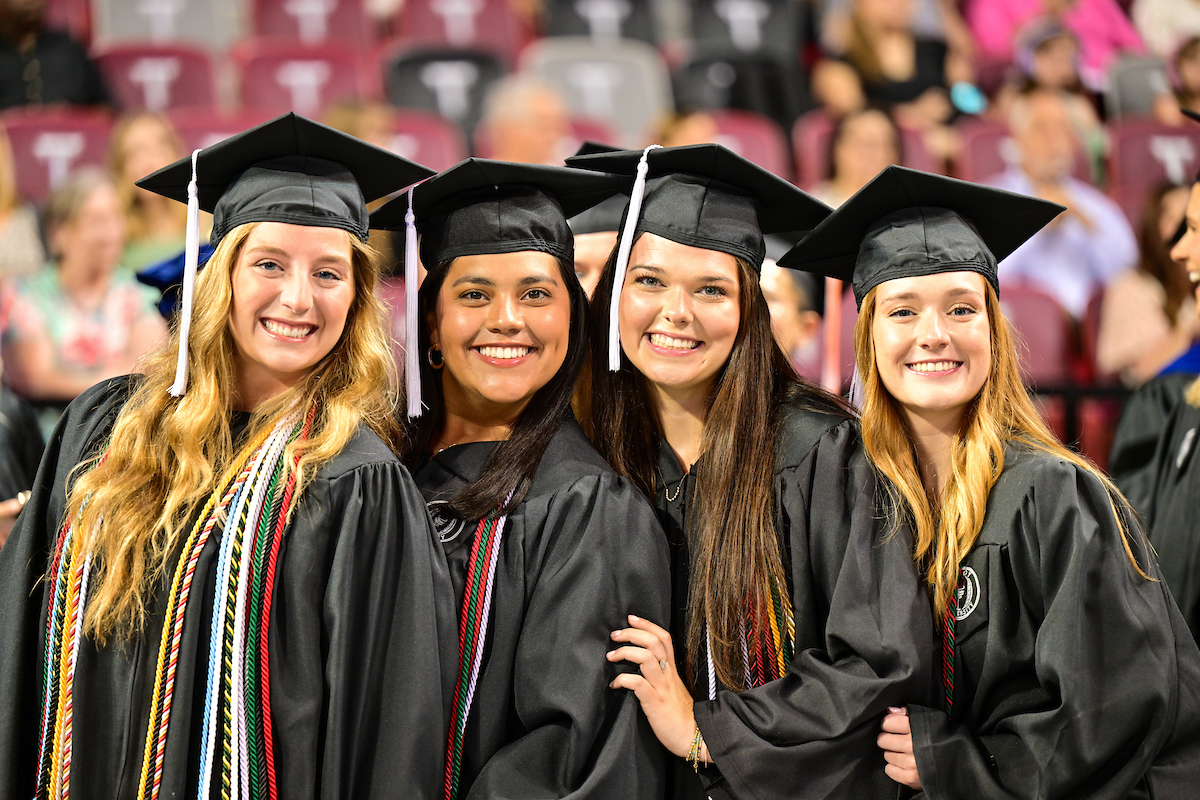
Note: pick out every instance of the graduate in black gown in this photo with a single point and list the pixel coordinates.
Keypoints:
(1065, 667)
(225, 583)
(548, 548)
(796, 621)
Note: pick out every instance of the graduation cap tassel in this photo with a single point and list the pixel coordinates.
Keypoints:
(631, 221)
(412, 356)
(191, 259)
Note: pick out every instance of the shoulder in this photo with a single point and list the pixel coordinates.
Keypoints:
(1049, 493)
(569, 458)
(364, 451)
(801, 430)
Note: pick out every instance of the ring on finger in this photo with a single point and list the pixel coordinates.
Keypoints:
(662, 664)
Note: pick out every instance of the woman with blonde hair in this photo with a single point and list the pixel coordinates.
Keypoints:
(1066, 668)
(223, 565)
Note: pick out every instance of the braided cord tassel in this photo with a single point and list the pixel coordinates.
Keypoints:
(948, 625)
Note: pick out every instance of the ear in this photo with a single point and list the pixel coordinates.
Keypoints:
(431, 325)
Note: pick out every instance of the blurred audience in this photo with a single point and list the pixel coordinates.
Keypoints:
(862, 144)
(794, 319)
(21, 250)
(1090, 243)
(1185, 73)
(1103, 30)
(154, 225)
(1148, 318)
(886, 64)
(40, 66)
(525, 119)
(1164, 25)
(932, 19)
(79, 320)
(683, 128)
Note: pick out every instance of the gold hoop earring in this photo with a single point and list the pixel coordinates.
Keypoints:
(429, 357)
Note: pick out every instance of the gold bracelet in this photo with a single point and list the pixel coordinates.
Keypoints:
(693, 756)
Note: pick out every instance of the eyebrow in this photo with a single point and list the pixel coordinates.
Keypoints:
(702, 279)
(265, 249)
(528, 280)
(958, 292)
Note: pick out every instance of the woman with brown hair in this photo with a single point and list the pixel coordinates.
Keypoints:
(794, 622)
(223, 566)
(1066, 668)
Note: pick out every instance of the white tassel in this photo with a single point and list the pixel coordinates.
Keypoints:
(622, 265)
(191, 259)
(412, 355)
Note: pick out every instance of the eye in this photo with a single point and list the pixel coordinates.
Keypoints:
(537, 294)
(268, 265)
(901, 312)
(963, 311)
(473, 295)
(328, 275)
(713, 290)
(647, 280)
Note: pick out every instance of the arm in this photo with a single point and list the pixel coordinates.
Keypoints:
(600, 556)
(1104, 656)
(864, 642)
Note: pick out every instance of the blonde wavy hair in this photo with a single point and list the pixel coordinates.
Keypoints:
(168, 454)
(945, 528)
(1193, 393)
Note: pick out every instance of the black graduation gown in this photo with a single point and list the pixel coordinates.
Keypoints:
(20, 444)
(1173, 512)
(862, 629)
(580, 553)
(1131, 461)
(1074, 677)
(355, 671)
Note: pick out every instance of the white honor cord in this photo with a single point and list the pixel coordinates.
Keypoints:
(412, 355)
(631, 221)
(190, 262)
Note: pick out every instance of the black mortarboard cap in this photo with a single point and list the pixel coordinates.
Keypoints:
(604, 217)
(480, 206)
(705, 195)
(906, 223)
(291, 170)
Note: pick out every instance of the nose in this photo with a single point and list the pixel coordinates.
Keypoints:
(1179, 253)
(931, 331)
(296, 293)
(504, 315)
(677, 307)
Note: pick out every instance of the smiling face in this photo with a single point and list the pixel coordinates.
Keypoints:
(679, 314)
(293, 286)
(932, 344)
(1187, 250)
(503, 324)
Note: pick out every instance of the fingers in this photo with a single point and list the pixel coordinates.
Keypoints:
(650, 627)
(895, 743)
(896, 723)
(637, 655)
(903, 776)
(655, 644)
(901, 760)
(10, 508)
(629, 680)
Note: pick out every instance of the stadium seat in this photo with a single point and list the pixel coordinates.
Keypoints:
(312, 21)
(602, 21)
(200, 127)
(157, 77)
(452, 83)
(759, 83)
(749, 27)
(810, 146)
(48, 143)
(1144, 154)
(428, 139)
(1043, 333)
(72, 16)
(489, 26)
(988, 150)
(624, 84)
(755, 137)
(280, 75)
(211, 24)
(1133, 83)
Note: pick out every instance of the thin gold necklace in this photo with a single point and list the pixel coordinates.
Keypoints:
(671, 498)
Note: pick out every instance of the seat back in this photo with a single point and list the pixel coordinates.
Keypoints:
(201, 127)
(1043, 332)
(625, 84)
(1133, 83)
(749, 27)
(280, 75)
(72, 16)
(47, 144)
(448, 82)
(759, 83)
(988, 149)
(210, 24)
(312, 21)
(490, 26)
(428, 139)
(754, 137)
(1144, 153)
(811, 136)
(602, 21)
(157, 77)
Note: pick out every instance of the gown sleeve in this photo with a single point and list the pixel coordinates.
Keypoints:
(1105, 655)
(600, 556)
(23, 594)
(355, 666)
(864, 634)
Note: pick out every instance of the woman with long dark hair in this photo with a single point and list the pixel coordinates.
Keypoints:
(548, 548)
(224, 583)
(794, 622)
(1066, 669)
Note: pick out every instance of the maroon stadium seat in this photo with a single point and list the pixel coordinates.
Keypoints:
(1144, 154)
(1044, 333)
(47, 144)
(201, 127)
(988, 150)
(428, 139)
(72, 16)
(145, 77)
(754, 137)
(490, 26)
(279, 75)
(810, 145)
(312, 21)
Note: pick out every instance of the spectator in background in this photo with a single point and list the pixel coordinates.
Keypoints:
(154, 225)
(21, 250)
(80, 320)
(38, 66)
(683, 128)
(794, 320)
(1186, 76)
(1149, 318)
(1087, 246)
(894, 69)
(1164, 25)
(525, 119)
(862, 144)
(1103, 30)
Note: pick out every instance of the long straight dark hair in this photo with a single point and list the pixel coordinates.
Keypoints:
(737, 556)
(510, 468)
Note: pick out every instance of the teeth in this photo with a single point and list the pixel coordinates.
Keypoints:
(934, 366)
(670, 342)
(504, 352)
(287, 330)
